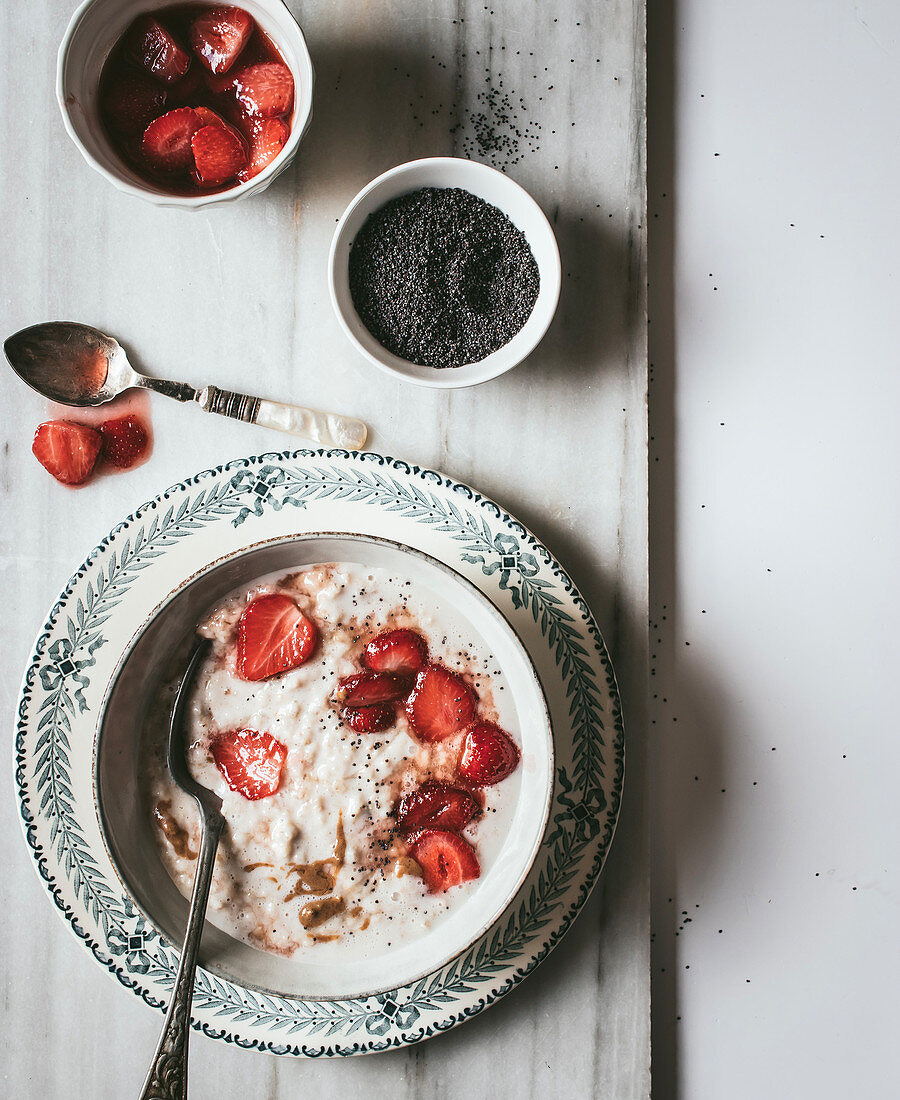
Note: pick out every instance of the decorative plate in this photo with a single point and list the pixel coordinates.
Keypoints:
(223, 510)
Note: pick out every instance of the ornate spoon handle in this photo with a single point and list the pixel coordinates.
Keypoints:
(331, 429)
(167, 1078)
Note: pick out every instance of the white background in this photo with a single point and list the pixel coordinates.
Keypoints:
(775, 394)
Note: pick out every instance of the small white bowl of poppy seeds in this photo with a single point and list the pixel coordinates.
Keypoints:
(444, 272)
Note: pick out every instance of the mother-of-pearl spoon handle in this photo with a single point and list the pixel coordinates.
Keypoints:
(329, 429)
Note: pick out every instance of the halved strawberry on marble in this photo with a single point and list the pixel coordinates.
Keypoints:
(437, 805)
(67, 450)
(218, 35)
(251, 761)
(489, 755)
(445, 858)
(440, 704)
(124, 441)
(403, 651)
(273, 636)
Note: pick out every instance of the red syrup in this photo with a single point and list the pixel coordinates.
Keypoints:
(196, 99)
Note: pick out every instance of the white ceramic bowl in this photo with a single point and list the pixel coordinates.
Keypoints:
(125, 819)
(93, 31)
(492, 186)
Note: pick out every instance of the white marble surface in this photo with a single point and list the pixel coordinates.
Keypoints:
(238, 297)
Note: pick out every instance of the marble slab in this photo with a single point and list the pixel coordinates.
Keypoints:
(553, 94)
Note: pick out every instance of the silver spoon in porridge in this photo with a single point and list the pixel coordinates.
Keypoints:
(168, 1071)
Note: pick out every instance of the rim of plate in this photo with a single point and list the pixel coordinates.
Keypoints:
(455, 577)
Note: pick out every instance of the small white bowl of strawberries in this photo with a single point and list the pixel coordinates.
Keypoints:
(188, 104)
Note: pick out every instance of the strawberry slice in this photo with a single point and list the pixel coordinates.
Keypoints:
(67, 450)
(250, 761)
(219, 153)
(265, 90)
(365, 689)
(402, 651)
(124, 441)
(268, 137)
(273, 636)
(445, 858)
(218, 35)
(151, 47)
(438, 806)
(440, 704)
(489, 755)
(166, 144)
(131, 101)
(369, 719)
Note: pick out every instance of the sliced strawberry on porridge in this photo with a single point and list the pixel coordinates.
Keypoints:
(250, 761)
(364, 689)
(489, 755)
(273, 636)
(440, 704)
(445, 858)
(403, 651)
(437, 805)
(372, 719)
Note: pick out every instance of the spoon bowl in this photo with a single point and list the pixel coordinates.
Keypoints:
(70, 363)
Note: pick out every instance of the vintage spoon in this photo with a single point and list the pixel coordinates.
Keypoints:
(167, 1078)
(79, 365)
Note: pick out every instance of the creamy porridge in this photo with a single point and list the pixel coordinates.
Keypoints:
(366, 789)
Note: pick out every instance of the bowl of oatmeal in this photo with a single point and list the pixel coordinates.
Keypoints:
(383, 750)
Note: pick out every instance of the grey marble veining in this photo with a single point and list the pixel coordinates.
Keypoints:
(553, 93)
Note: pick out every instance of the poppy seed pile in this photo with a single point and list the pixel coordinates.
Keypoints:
(442, 278)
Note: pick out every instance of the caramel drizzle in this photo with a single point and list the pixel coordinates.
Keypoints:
(179, 838)
(319, 876)
(317, 912)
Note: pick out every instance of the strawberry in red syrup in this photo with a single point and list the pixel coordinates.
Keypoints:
(166, 143)
(489, 755)
(402, 651)
(67, 450)
(438, 806)
(440, 704)
(124, 441)
(364, 689)
(273, 636)
(206, 60)
(150, 46)
(219, 154)
(218, 35)
(250, 761)
(372, 719)
(265, 90)
(268, 137)
(445, 858)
